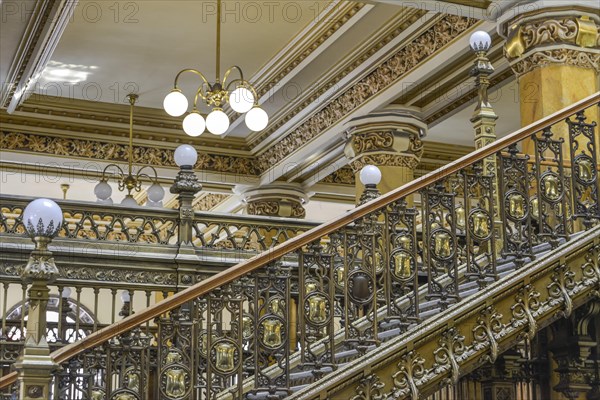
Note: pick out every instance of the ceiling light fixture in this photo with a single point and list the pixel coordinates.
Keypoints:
(130, 181)
(240, 94)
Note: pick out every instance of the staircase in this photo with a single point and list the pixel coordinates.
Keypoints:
(388, 300)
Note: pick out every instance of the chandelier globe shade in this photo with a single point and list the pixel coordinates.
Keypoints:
(217, 122)
(42, 217)
(241, 100)
(175, 103)
(194, 124)
(103, 190)
(256, 119)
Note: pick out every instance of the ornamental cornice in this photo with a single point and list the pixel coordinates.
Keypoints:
(274, 208)
(387, 73)
(108, 151)
(331, 25)
(408, 17)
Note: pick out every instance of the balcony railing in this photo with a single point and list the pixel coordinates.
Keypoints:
(253, 332)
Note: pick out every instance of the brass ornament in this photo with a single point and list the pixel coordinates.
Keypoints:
(584, 169)
(442, 244)
(317, 309)
(225, 356)
(551, 186)
(272, 336)
(527, 302)
(360, 286)
(403, 265)
(517, 206)
(489, 326)
(481, 224)
(411, 368)
(587, 32)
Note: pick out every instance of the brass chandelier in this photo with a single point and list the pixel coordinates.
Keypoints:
(128, 180)
(240, 94)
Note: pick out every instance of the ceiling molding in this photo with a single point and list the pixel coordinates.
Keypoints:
(396, 66)
(44, 29)
(346, 70)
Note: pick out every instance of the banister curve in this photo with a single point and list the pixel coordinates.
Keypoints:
(303, 239)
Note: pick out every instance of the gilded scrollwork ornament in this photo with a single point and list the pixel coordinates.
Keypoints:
(527, 302)
(369, 388)
(563, 281)
(486, 333)
(411, 369)
(451, 347)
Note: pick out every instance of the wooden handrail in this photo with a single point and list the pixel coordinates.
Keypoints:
(297, 242)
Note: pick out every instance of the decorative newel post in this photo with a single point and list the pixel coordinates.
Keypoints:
(42, 219)
(186, 186)
(484, 118)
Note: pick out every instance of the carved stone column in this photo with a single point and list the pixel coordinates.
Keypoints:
(278, 199)
(553, 47)
(389, 139)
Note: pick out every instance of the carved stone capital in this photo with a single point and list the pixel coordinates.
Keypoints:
(391, 137)
(276, 200)
(551, 34)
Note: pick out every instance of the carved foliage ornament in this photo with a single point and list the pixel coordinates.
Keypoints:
(406, 59)
(273, 208)
(107, 151)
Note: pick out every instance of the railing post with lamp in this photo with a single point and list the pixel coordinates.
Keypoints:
(43, 219)
(484, 118)
(186, 186)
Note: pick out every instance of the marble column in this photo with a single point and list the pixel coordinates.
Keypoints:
(389, 139)
(553, 47)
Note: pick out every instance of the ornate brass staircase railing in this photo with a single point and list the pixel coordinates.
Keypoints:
(237, 325)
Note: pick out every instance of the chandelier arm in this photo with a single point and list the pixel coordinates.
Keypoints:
(151, 179)
(231, 69)
(121, 172)
(194, 71)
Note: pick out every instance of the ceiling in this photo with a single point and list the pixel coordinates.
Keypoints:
(71, 64)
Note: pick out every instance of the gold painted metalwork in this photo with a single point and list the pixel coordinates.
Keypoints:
(176, 382)
(318, 312)
(442, 244)
(585, 169)
(403, 265)
(310, 287)
(277, 306)
(460, 217)
(272, 333)
(247, 327)
(516, 208)
(551, 187)
(587, 32)
(97, 394)
(480, 224)
(535, 207)
(225, 356)
(515, 43)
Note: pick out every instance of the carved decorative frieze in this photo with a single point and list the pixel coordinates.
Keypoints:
(343, 176)
(110, 151)
(388, 160)
(390, 71)
(558, 56)
(275, 208)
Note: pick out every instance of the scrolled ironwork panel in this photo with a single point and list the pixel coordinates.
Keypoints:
(401, 274)
(316, 305)
(440, 245)
(480, 246)
(584, 169)
(551, 190)
(515, 209)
